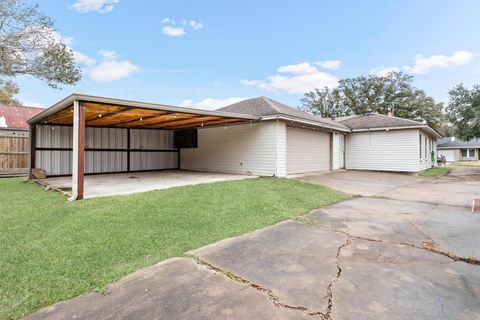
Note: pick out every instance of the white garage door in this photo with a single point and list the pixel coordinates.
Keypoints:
(449, 154)
(307, 150)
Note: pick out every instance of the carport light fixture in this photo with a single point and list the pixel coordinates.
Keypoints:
(141, 119)
(202, 124)
(100, 115)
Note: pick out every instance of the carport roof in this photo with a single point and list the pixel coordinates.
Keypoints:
(111, 112)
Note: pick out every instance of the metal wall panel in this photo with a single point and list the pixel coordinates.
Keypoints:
(153, 160)
(151, 139)
(106, 138)
(105, 161)
(54, 136)
(59, 162)
(54, 162)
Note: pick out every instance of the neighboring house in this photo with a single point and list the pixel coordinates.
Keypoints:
(14, 138)
(457, 150)
(257, 136)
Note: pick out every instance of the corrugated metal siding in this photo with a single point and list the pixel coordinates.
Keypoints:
(153, 160)
(307, 150)
(105, 138)
(151, 139)
(238, 149)
(60, 162)
(54, 162)
(394, 150)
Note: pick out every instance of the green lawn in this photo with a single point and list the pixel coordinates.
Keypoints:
(52, 249)
(435, 172)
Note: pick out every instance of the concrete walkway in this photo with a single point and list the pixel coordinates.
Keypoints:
(408, 249)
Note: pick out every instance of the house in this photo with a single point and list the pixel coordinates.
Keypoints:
(14, 138)
(86, 134)
(457, 150)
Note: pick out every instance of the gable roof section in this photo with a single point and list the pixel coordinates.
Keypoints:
(375, 121)
(265, 108)
(447, 143)
(16, 117)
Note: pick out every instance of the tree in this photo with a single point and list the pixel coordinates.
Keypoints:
(463, 111)
(325, 103)
(394, 92)
(7, 90)
(30, 46)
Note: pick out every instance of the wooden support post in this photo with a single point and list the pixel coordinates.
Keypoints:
(32, 140)
(78, 159)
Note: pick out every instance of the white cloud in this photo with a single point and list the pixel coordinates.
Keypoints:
(210, 103)
(425, 64)
(173, 32)
(383, 71)
(295, 79)
(329, 64)
(101, 6)
(301, 68)
(110, 68)
(168, 20)
(196, 25)
(82, 59)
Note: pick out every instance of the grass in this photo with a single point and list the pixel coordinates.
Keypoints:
(435, 172)
(52, 249)
(473, 163)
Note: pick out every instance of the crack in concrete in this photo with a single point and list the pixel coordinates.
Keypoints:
(427, 245)
(379, 196)
(329, 296)
(269, 293)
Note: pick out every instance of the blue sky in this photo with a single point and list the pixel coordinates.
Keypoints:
(209, 53)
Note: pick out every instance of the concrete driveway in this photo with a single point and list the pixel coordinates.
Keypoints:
(407, 249)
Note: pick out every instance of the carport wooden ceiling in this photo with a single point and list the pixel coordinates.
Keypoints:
(107, 115)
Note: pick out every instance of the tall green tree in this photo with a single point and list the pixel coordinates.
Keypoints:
(30, 46)
(392, 93)
(8, 90)
(325, 103)
(463, 111)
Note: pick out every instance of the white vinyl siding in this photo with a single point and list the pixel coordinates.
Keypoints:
(307, 150)
(394, 150)
(426, 148)
(243, 149)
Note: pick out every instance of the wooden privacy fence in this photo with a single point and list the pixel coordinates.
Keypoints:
(13, 153)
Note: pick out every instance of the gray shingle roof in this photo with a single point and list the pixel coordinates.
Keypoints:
(375, 120)
(263, 106)
(457, 143)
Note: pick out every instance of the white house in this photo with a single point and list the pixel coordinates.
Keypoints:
(86, 134)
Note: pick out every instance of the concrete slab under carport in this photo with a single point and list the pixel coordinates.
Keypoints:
(111, 184)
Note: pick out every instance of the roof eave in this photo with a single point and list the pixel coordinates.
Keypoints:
(424, 127)
(66, 102)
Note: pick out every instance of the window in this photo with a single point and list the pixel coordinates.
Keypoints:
(464, 153)
(471, 153)
(420, 140)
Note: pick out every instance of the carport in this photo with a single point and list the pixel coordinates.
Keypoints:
(83, 135)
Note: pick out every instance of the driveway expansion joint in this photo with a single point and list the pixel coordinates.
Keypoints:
(268, 292)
